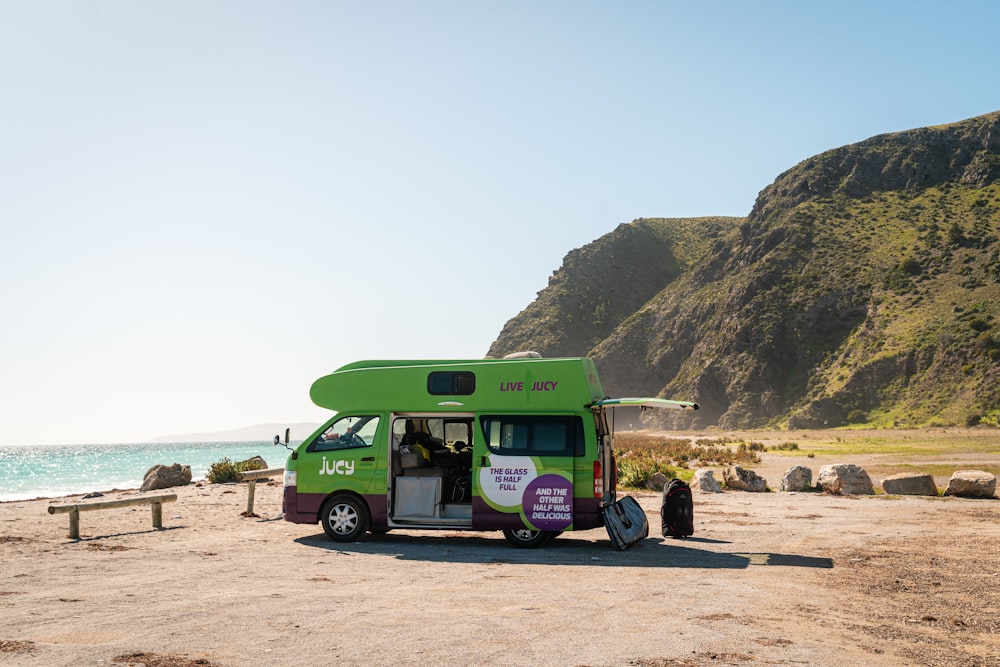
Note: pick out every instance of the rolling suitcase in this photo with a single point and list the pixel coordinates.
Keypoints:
(677, 510)
(626, 523)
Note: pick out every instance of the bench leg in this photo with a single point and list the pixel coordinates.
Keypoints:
(157, 508)
(74, 524)
(250, 490)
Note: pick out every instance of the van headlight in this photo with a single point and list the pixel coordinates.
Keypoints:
(291, 477)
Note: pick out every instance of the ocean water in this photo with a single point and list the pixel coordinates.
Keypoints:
(50, 471)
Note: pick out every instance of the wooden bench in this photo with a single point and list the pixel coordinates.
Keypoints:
(252, 476)
(155, 503)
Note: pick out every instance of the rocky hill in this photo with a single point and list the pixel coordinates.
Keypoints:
(863, 287)
(602, 284)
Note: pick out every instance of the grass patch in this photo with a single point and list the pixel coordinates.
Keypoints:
(916, 442)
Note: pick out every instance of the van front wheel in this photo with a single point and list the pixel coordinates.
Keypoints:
(344, 518)
(525, 539)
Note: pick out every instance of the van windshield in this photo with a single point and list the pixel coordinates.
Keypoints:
(346, 433)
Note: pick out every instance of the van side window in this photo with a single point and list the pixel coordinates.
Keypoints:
(451, 383)
(534, 436)
(346, 433)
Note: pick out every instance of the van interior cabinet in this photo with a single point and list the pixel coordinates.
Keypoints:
(417, 496)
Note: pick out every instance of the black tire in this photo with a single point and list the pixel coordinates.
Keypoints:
(523, 538)
(344, 518)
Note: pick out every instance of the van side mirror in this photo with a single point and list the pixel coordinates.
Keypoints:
(277, 439)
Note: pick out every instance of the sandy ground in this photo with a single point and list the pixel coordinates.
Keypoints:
(768, 579)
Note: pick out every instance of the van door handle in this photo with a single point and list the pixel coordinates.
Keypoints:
(368, 458)
(484, 462)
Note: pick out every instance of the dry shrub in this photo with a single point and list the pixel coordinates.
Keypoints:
(641, 455)
(224, 470)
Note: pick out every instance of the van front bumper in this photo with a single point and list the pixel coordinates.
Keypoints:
(300, 507)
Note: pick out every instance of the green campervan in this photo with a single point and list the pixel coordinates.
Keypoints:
(520, 445)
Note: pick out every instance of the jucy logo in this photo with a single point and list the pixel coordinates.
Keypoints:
(336, 467)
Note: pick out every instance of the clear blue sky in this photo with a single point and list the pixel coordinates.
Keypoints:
(206, 205)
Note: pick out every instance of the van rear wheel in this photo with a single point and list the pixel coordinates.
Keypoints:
(526, 539)
(344, 518)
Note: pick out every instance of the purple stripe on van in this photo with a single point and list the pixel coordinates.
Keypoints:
(586, 515)
(305, 507)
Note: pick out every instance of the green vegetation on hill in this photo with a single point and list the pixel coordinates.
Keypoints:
(863, 288)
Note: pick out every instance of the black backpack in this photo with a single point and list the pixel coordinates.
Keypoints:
(677, 510)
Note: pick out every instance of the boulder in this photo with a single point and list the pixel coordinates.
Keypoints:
(744, 480)
(845, 479)
(704, 480)
(252, 463)
(910, 484)
(972, 484)
(164, 477)
(797, 478)
(656, 482)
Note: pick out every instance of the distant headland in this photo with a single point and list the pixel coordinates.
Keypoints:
(257, 432)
